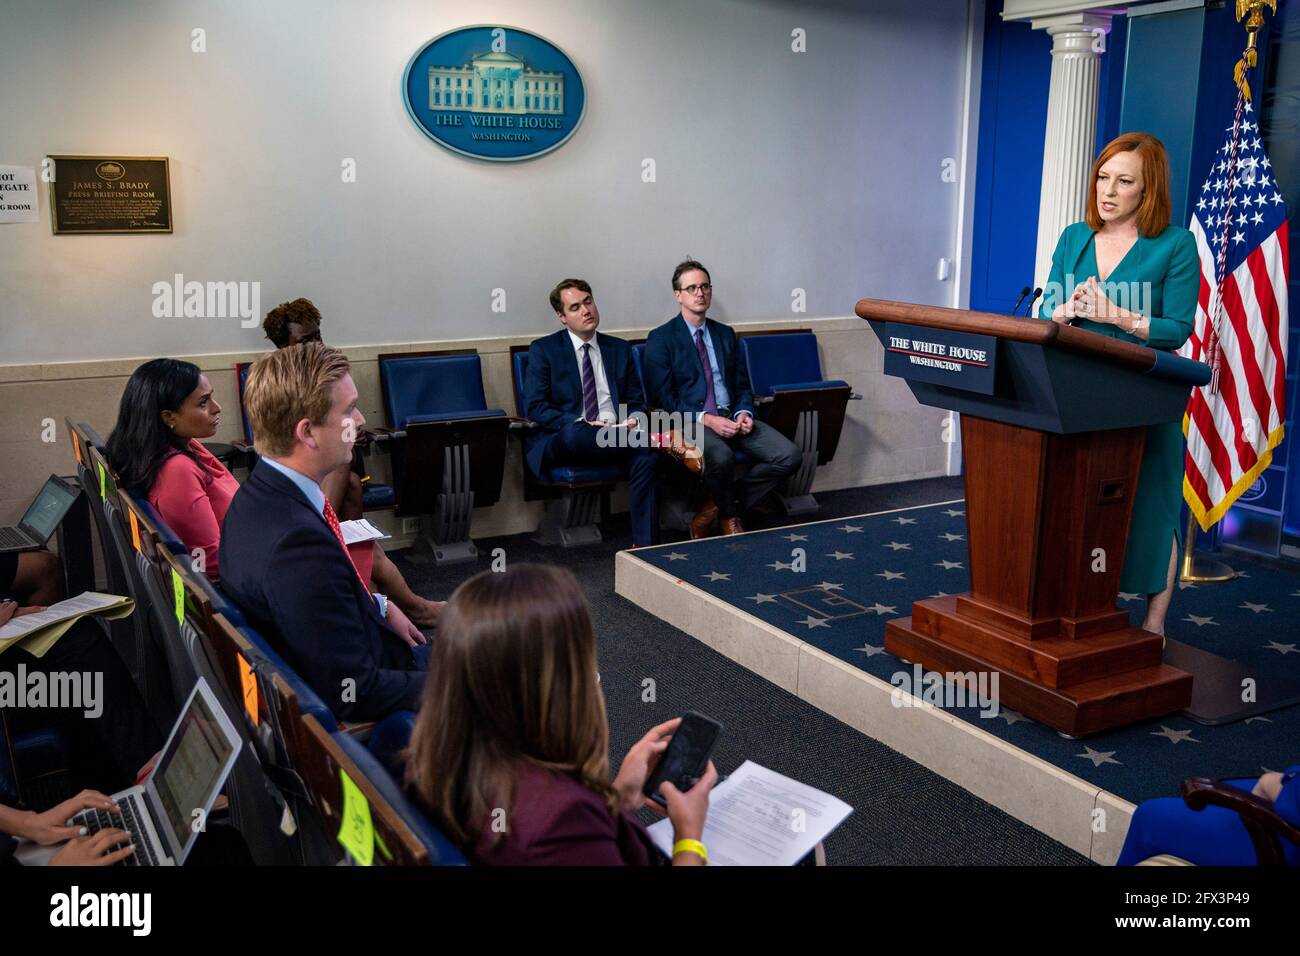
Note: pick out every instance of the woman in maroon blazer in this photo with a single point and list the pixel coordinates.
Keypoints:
(510, 752)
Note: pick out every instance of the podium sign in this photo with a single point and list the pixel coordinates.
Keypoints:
(1051, 454)
(961, 360)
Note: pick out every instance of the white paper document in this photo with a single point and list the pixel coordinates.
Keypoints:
(81, 604)
(359, 529)
(18, 194)
(757, 817)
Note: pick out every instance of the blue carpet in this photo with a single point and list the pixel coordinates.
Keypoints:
(862, 571)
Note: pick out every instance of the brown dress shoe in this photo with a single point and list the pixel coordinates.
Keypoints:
(732, 526)
(703, 520)
(691, 457)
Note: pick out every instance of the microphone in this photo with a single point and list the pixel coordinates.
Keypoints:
(1029, 309)
(1023, 292)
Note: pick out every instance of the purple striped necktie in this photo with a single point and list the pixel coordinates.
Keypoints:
(590, 403)
(710, 399)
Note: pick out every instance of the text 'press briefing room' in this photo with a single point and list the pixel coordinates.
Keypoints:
(387, 486)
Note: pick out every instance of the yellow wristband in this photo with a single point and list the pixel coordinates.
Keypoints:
(691, 846)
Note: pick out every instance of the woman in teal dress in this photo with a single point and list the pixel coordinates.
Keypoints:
(1127, 273)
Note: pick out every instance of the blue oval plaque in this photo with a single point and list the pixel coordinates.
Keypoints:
(494, 92)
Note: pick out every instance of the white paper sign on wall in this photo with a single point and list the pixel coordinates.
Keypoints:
(18, 194)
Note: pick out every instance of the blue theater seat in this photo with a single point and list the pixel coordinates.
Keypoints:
(785, 373)
(574, 492)
(448, 446)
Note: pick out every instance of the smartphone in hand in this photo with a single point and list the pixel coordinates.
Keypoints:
(687, 755)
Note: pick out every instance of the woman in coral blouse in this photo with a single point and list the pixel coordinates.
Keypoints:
(167, 409)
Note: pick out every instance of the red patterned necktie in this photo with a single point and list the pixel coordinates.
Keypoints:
(332, 520)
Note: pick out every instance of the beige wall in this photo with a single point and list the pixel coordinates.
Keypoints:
(887, 436)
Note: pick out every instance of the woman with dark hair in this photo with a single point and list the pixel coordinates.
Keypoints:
(156, 449)
(510, 751)
(1126, 249)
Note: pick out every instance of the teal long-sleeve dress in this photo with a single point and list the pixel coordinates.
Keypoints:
(1160, 278)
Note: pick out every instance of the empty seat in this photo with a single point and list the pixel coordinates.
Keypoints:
(786, 376)
(448, 446)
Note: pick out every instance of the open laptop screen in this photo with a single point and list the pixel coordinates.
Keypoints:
(48, 509)
(191, 768)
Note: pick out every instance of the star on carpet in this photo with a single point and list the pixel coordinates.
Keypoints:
(762, 598)
(949, 536)
(1011, 716)
(1099, 757)
(841, 555)
(1184, 585)
(953, 513)
(898, 546)
(1256, 607)
(871, 650)
(882, 609)
(781, 566)
(1201, 621)
(677, 556)
(947, 565)
(827, 586)
(1251, 720)
(850, 528)
(811, 622)
(737, 546)
(1128, 596)
(939, 594)
(890, 575)
(904, 520)
(1283, 649)
(1175, 736)
(716, 576)
(795, 537)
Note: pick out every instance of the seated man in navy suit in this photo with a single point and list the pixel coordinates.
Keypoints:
(693, 367)
(284, 563)
(582, 391)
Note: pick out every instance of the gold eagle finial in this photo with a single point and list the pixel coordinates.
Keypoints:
(1251, 12)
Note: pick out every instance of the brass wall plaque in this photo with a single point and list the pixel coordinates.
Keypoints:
(110, 194)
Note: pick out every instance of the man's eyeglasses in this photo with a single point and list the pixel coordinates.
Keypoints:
(705, 287)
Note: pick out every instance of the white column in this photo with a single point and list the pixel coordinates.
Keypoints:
(1069, 147)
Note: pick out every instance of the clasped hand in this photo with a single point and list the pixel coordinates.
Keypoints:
(1087, 302)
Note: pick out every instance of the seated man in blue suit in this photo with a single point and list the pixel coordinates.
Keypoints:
(284, 563)
(1214, 836)
(579, 384)
(693, 367)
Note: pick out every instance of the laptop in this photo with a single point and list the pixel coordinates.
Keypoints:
(165, 814)
(43, 516)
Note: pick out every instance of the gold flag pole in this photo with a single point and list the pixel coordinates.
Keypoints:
(1196, 569)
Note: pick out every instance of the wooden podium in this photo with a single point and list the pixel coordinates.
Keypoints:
(1052, 438)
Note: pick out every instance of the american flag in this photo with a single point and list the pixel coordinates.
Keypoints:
(1240, 224)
